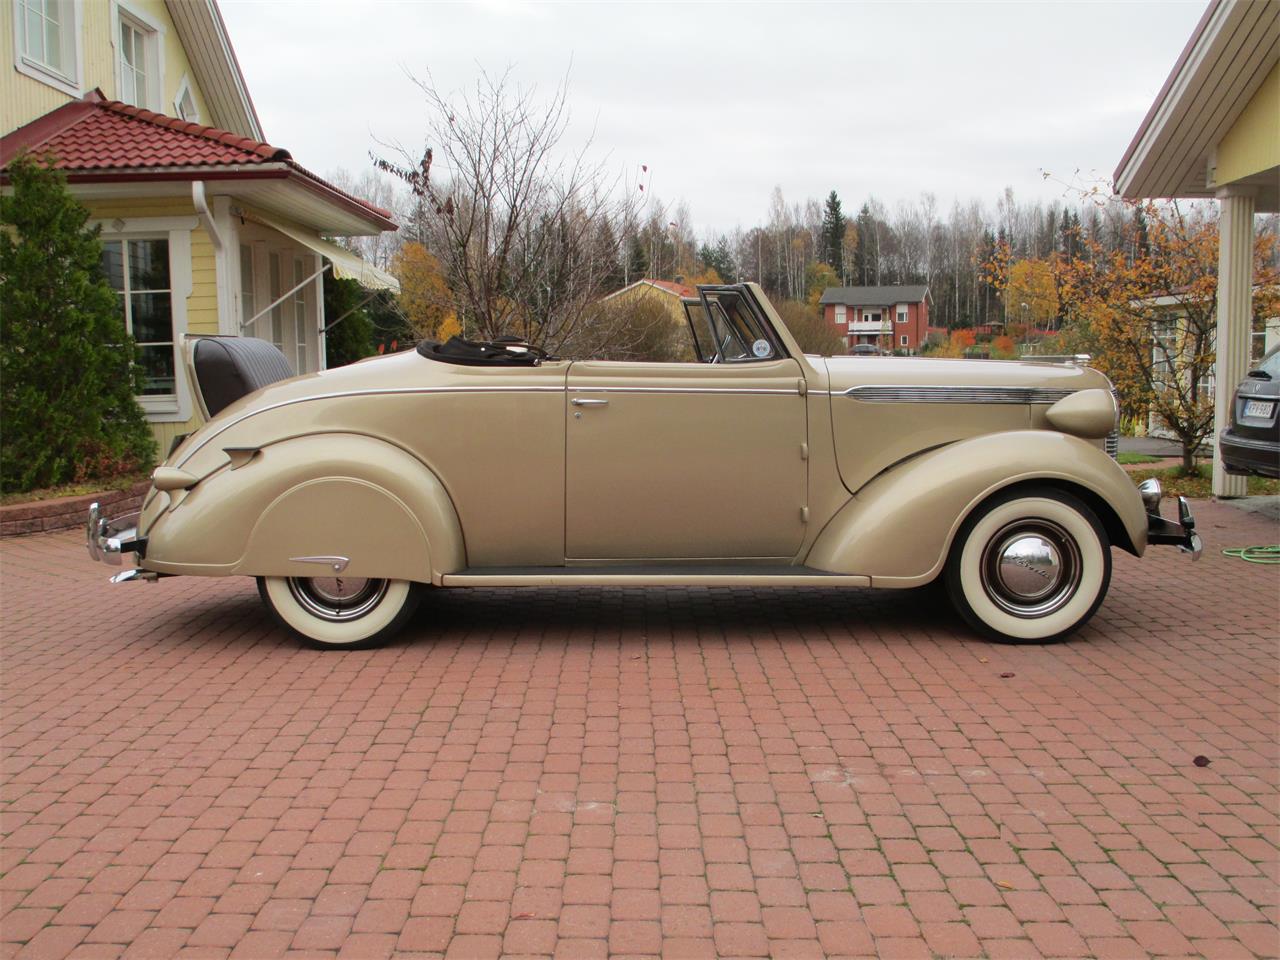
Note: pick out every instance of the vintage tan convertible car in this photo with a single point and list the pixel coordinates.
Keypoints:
(349, 492)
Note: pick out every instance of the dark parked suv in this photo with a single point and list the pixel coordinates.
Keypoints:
(1252, 443)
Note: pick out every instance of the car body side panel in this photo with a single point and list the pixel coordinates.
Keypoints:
(875, 429)
(899, 527)
(685, 461)
(492, 437)
(332, 494)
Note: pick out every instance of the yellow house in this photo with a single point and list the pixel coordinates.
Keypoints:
(1214, 132)
(207, 229)
(669, 293)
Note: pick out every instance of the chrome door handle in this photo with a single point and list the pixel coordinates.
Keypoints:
(584, 402)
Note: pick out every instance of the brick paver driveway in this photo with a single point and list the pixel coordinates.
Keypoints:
(636, 772)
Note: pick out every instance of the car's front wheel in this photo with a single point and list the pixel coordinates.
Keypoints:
(340, 613)
(1029, 566)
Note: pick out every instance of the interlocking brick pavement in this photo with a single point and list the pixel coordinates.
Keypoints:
(633, 772)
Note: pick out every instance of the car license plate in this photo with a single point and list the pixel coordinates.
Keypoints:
(1258, 408)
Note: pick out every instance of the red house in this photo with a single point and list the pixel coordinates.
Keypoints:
(892, 318)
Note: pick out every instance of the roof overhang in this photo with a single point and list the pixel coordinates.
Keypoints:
(1233, 49)
(278, 187)
(213, 61)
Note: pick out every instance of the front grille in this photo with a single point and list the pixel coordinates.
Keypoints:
(1112, 443)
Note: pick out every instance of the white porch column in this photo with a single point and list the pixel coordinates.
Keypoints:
(1235, 281)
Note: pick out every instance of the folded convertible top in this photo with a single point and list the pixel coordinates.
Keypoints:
(503, 352)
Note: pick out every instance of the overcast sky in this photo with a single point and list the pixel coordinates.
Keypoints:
(724, 100)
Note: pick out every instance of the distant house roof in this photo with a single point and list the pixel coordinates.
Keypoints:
(98, 140)
(875, 296)
(665, 286)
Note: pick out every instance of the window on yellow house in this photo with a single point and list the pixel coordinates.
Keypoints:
(46, 34)
(139, 271)
(138, 63)
(185, 103)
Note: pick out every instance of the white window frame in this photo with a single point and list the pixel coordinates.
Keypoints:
(177, 408)
(185, 90)
(902, 341)
(154, 32)
(841, 312)
(301, 310)
(66, 80)
(248, 304)
(902, 314)
(275, 289)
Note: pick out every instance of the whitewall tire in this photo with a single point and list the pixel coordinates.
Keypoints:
(1029, 566)
(340, 613)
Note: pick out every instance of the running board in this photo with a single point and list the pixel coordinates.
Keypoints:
(657, 575)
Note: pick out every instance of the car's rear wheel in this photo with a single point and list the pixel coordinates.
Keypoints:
(340, 613)
(1029, 566)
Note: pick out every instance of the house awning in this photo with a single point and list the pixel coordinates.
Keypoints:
(346, 264)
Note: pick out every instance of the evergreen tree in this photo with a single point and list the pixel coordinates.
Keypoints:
(391, 330)
(352, 338)
(831, 238)
(720, 259)
(608, 246)
(1141, 239)
(68, 376)
(1069, 234)
(866, 262)
(637, 260)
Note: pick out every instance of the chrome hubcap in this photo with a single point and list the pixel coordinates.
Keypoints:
(1031, 568)
(1028, 567)
(337, 599)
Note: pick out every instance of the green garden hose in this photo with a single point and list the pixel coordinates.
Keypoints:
(1268, 554)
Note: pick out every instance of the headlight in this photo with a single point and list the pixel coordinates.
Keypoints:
(1151, 494)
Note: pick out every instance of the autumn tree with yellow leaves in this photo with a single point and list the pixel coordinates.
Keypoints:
(1146, 310)
(425, 298)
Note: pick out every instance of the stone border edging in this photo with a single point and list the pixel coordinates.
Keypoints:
(64, 513)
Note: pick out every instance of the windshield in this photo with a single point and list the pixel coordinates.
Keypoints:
(727, 330)
(1270, 364)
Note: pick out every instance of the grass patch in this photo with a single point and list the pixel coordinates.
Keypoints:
(1199, 485)
(1125, 459)
(123, 482)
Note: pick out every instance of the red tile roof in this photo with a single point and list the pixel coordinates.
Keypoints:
(99, 136)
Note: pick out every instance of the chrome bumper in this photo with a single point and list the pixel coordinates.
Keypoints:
(108, 540)
(1180, 533)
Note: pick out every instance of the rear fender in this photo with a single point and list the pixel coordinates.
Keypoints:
(346, 496)
(898, 529)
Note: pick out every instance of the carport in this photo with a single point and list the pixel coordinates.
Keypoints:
(1214, 132)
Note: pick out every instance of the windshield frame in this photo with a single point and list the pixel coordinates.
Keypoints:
(718, 321)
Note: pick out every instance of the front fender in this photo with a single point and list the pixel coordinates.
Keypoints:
(898, 528)
(322, 495)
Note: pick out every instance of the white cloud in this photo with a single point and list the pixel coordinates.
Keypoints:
(723, 101)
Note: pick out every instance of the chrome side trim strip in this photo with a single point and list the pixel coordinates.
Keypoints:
(337, 563)
(369, 392)
(568, 577)
(790, 392)
(887, 393)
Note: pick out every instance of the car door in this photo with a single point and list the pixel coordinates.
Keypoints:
(689, 461)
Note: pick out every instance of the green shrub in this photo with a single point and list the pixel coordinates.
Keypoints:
(67, 376)
(352, 338)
